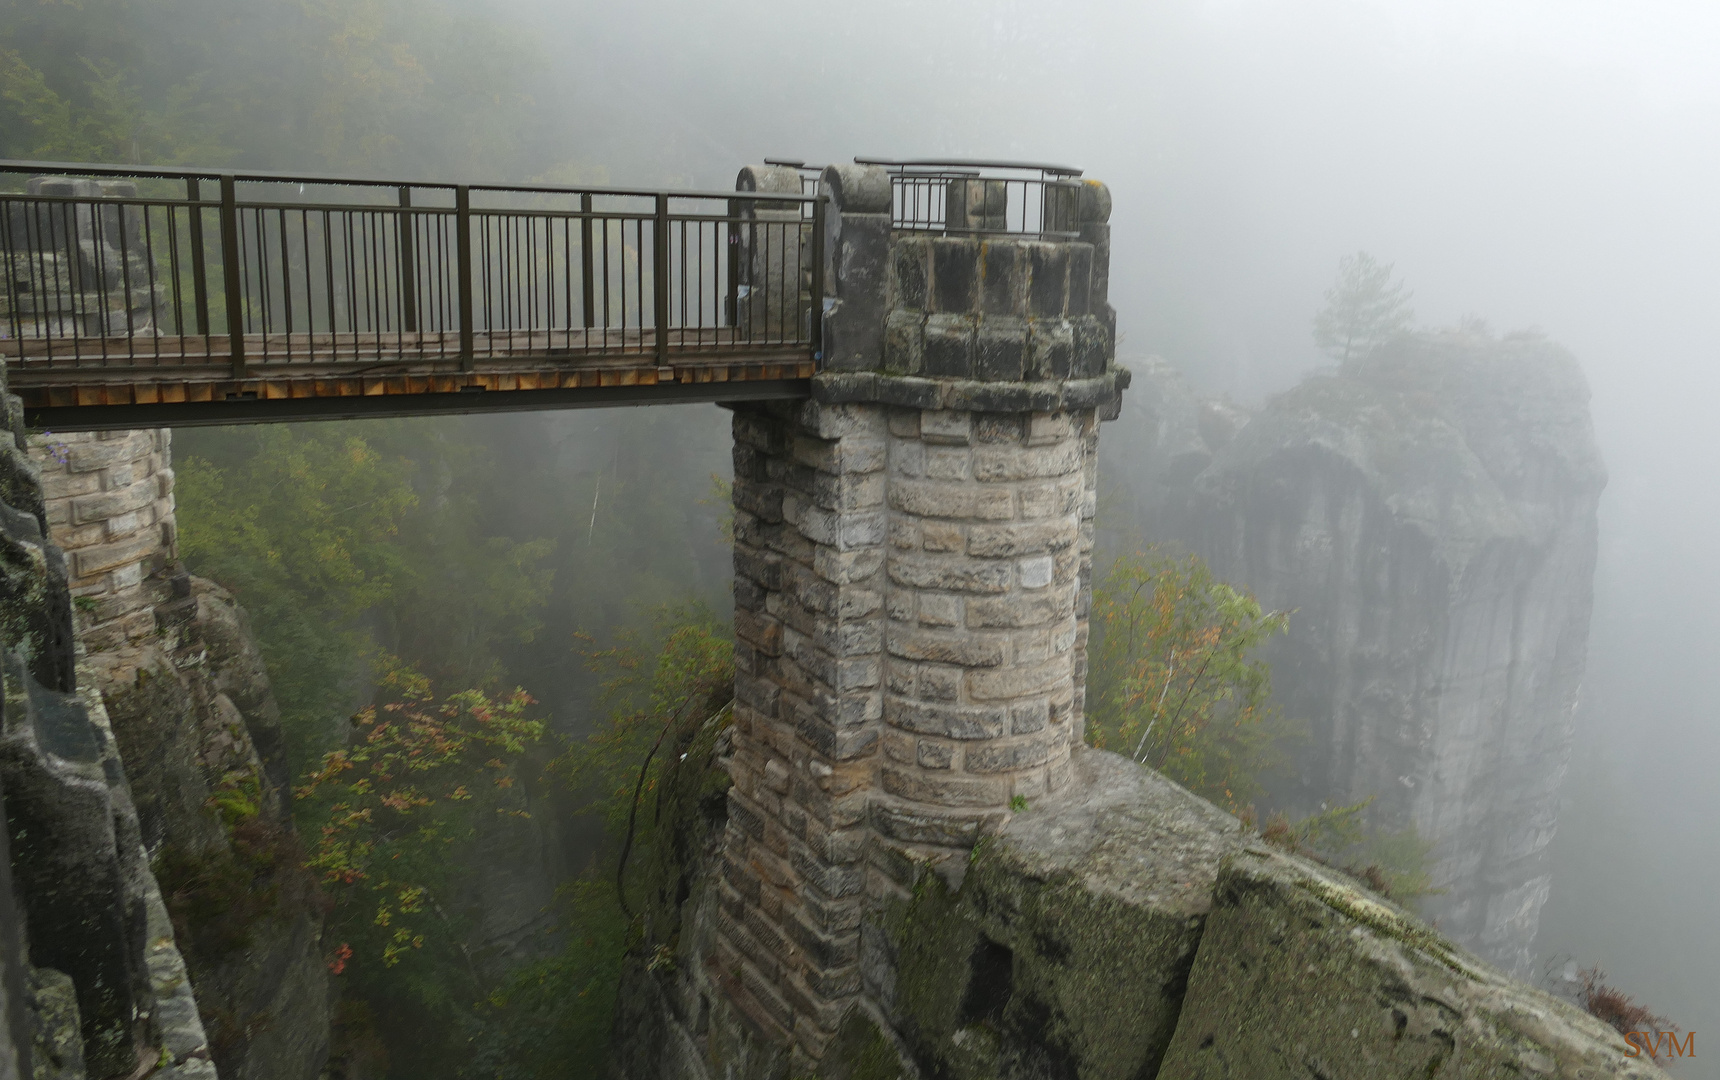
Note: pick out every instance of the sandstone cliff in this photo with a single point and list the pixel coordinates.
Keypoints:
(1428, 514)
(1129, 931)
(94, 983)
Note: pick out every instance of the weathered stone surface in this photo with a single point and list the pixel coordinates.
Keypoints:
(57, 1045)
(1065, 949)
(1301, 973)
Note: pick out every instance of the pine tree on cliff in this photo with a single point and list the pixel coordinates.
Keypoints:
(1364, 307)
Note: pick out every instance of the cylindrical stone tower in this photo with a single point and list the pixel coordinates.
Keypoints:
(912, 563)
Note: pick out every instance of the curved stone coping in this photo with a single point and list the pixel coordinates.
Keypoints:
(972, 395)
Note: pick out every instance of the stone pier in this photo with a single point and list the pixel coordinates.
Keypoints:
(109, 502)
(912, 563)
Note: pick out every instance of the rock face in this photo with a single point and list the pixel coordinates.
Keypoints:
(92, 961)
(199, 731)
(1132, 932)
(1428, 514)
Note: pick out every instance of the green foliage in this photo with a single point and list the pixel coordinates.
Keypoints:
(1364, 308)
(417, 778)
(219, 898)
(1173, 682)
(665, 686)
(1392, 863)
(344, 542)
(676, 669)
(303, 526)
(356, 86)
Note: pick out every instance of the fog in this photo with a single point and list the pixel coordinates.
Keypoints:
(1547, 165)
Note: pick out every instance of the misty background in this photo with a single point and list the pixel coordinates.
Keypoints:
(1546, 164)
(1550, 165)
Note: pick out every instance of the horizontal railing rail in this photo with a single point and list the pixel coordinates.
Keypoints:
(961, 197)
(266, 273)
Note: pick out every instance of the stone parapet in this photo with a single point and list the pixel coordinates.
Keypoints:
(108, 498)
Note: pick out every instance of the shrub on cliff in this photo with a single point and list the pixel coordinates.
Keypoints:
(1174, 683)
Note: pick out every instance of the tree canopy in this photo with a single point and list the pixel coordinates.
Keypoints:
(1364, 308)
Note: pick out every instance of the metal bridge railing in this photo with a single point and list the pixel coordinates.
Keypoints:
(983, 197)
(112, 266)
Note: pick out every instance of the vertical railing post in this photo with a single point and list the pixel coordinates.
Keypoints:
(230, 273)
(588, 293)
(199, 271)
(732, 301)
(408, 265)
(463, 246)
(816, 330)
(660, 277)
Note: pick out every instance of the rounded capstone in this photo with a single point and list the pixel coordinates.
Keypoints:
(858, 189)
(1095, 201)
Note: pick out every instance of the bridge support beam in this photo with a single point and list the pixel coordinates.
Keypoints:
(912, 562)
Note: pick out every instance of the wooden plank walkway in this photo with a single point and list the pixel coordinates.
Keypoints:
(140, 381)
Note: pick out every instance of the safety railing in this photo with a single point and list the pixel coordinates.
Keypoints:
(966, 197)
(110, 266)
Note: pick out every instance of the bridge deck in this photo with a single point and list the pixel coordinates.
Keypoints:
(178, 379)
(142, 301)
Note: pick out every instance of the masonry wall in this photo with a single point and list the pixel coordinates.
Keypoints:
(912, 569)
(108, 496)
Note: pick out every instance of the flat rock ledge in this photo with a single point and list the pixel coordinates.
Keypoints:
(1128, 931)
(1135, 931)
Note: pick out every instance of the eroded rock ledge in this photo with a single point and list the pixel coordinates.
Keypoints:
(1132, 931)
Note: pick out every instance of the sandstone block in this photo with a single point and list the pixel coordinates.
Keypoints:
(949, 348)
(905, 342)
(98, 557)
(102, 506)
(1394, 998)
(948, 721)
(942, 536)
(946, 463)
(89, 456)
(1045, 428)
(1016, 680)
(939, 789)
(935, 755)
(1006, 756)
(1019, 609)
(944, 647)
(946, 426)
(998, 427)
(928, 498)
(1034, 573)
(940, 683)
(847, 567)
(1020, 538)
(951, 573)
(940, 610)
(908, 458)
(1026, 463)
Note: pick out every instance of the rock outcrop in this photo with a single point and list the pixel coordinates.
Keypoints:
(1131, 931)
(199, 731)
(1429, 515)
(95, 967)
